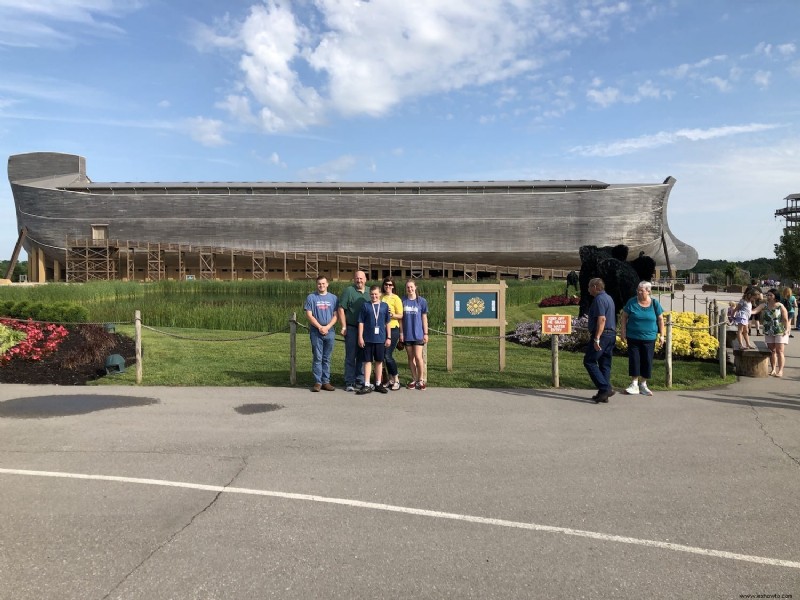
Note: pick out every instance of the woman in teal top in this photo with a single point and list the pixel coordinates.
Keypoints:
(641, 324)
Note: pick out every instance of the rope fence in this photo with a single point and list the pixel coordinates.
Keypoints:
(717, 327)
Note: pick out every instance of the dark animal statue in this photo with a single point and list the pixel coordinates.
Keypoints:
(610, 264)
(572, 281)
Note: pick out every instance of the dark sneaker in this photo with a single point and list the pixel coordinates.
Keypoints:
(421, 385)
(381, 389)
(365, 389)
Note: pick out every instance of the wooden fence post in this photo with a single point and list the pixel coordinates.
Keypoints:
(293, 349)
(723, 351)
(137, 319)
(554, 355)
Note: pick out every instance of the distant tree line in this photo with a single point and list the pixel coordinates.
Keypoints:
(759, 268)
(21, 268)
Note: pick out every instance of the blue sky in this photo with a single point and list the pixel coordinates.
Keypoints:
(389, 90)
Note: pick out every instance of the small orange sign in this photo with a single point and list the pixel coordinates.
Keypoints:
(556, 324)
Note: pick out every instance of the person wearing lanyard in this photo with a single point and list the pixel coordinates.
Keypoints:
(602, 329)
(374, 337)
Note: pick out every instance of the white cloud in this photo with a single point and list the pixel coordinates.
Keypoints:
(688, 70)
(611, 95)
(663, 138)
(334, 170)
(206, 131)
(59, 91)
(303, 61)
(718, 82)
(762, 78)
(605, 97)
(780, 50)
(58, 23)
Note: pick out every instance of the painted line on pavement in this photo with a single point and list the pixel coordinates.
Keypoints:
(777, 562)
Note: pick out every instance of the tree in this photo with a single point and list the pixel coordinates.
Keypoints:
(19, 269)
(730, 273)
(788, 253)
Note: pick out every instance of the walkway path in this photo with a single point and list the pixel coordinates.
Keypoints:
(276, 492)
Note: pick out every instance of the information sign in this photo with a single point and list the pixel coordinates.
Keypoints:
(475, 305)
(556, 324)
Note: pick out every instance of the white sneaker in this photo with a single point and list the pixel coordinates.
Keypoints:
(632, 389)
(644, 390)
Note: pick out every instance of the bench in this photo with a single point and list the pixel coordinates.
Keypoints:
(752, 363)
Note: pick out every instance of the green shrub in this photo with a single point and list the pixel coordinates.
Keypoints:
(9, 338)
(52, 312)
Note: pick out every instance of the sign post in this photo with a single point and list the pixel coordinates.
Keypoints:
(555, 325)
(476, 305)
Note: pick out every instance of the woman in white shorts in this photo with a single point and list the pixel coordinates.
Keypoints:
(775, 319)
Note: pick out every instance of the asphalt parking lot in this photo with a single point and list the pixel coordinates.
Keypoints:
(124, 492)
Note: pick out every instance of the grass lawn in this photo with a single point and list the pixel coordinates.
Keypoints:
(178, 359)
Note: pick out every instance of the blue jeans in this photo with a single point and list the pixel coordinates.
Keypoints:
(321, 351)
(598, 362)
(391, 363)
(353, 358)
(640, 358)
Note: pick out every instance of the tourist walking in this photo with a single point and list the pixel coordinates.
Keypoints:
(789, 300)
(602, 329)
(414, 334)
(350, 303)
(395, 304)
(641, 324)
(775, 319)
(320, 308)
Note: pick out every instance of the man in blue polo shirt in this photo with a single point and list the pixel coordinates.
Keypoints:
(603, 336)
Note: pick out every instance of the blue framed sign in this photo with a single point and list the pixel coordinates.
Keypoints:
(475, 305)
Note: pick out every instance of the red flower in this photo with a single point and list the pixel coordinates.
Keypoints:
(40, 340)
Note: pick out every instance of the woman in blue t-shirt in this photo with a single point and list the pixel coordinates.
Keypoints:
(641, 324)
(414, 334)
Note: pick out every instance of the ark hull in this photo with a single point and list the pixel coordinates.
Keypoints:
(517, 223)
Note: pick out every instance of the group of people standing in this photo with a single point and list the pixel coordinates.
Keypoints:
(373, 324)
(778, 314)
(641, 324)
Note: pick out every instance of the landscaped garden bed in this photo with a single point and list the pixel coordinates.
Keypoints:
(54, 354)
